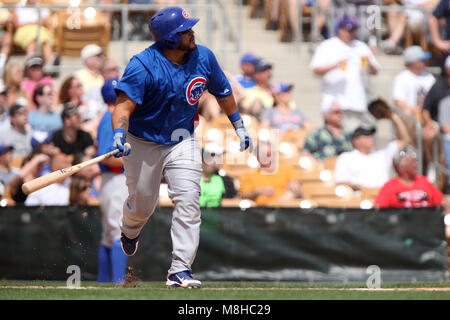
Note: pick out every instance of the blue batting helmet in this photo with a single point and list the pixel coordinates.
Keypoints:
(166, 23)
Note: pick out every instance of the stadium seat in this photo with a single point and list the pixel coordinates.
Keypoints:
(285, 203)
(296, 137)
(324, 193)
(69, 41)
(329, 163)
(237, 203)
(369, 193)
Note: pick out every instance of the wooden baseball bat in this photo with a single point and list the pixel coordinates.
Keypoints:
(55, 176)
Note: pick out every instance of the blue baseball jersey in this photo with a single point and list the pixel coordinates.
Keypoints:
(105, 139)
(167, 95)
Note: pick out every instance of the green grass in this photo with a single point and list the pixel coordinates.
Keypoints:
(48, 290)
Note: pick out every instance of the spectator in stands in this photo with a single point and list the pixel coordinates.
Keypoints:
(411, 86)
(19, 134)
(364, 167)
(332, 138)
(284, 115)
(5, 37)
(396, 23)
(274, 14)
(71, 139)
(80, 188)
(260, 96)
(208, 106)
(92, 173)
(6, 172)
(4, 107)
(34, 76)
(44, 120)
(90, 108)
(342, 62)
(56, 194)
(293, 16)
(442, 10)
(92, 78)
(435, 102)
(71, 91)
(30, 169)
(91, 75)
(12, 79)
(408, 189)
(248, 62)
(26, 31)
(213, 186)
(270, 182)
(110, 70)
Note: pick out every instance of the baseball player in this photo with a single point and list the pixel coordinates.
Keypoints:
(111, 259)
(155, 112)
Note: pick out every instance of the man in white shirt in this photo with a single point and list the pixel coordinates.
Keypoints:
(343, 62)
(412, 84)
(365, 168)
(56, 194)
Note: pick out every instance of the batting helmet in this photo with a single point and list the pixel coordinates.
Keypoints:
(166, 23)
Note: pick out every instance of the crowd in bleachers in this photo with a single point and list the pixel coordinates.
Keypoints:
(46, 127)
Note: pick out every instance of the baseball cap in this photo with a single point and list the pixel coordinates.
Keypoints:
(363, 130)
(282, 87)
(249, 58)
(68, 110)
(5, 148)
(262, 65)
(415, 53)
(347, 23)
(108, 92)
(34, 61)
(90, 50)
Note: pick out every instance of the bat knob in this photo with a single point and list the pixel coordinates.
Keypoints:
(26, 189)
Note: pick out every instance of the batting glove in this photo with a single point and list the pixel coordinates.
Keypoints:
(241, 132)
(119, 143)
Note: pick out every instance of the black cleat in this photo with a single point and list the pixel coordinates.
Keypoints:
(129, 246)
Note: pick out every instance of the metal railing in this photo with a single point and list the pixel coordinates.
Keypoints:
(438, 167)
(207, 9)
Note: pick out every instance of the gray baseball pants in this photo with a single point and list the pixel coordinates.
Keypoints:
(180, 165)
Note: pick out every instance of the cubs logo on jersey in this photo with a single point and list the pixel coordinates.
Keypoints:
(195, 90)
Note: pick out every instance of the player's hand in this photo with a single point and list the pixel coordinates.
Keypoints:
(245, 139)
(242, 133)
(119, 143)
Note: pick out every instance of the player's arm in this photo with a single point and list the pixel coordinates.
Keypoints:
(122, 111)
(120, 122)
(229, 107)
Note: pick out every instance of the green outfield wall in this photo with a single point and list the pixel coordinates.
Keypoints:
(314, 245)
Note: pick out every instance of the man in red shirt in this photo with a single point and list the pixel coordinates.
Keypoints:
(408, 189)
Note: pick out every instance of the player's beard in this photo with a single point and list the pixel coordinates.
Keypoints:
(188, 47)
